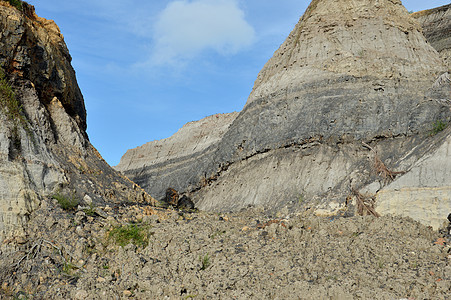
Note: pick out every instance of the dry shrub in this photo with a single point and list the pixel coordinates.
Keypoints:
(380, 168)
(365, 205)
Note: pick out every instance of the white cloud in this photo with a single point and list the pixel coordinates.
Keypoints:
(186, 28)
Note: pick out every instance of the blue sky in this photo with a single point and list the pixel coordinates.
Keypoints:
(146, 68)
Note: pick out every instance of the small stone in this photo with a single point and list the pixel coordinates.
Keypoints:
(50, 222)
(101, 213)
(139, 217)
(101, 279)
(81, 295)
(79, 231)
(21, 240)
(174, 216)
(80, 217)
(127, 293)
(87, 199)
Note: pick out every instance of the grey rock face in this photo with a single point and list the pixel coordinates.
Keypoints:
(44, 148)
(350, 72)
(424, 193)
(436, 25)
(158, 165)
(28, 39)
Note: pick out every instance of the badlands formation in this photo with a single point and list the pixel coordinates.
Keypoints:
(44, 148)
(436, 25)
(342, 120)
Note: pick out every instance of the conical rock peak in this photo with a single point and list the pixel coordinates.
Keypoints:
(351, 73)
(364, 38)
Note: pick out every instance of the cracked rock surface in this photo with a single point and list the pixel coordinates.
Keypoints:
(44, 148)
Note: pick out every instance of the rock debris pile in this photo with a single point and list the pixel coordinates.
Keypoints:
(169, 254)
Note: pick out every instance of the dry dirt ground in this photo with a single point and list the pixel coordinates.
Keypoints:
(169, 254)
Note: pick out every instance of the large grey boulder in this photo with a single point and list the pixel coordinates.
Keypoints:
(44, 148)
(350, 74)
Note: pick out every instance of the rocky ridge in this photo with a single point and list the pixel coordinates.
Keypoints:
(347, 104)
(158, 159)
(436, 25)
(44, 148)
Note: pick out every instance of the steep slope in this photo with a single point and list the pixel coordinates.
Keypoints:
(44, 148)
(436, 25)
(351, 73)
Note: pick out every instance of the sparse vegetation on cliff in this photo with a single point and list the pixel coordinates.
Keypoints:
(12, 107)
(438, 126)
(16, 3)
(8, 99)
(66, 202)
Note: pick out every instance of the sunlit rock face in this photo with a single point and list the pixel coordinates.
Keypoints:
(44, 148)
(157, 165)
(436, 25)
(355, 82)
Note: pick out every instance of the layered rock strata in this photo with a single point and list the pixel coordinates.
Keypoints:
(352, 84)
(424, 193)
(157, 165)
(44, 148)
(436, 25)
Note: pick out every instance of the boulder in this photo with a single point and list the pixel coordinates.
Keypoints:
(172, 197)
(186, 203)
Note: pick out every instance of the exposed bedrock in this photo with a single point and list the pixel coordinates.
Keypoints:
(44, 148)
(355, 82)
(157, 165)
(436, 25)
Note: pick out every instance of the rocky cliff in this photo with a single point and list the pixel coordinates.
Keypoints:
(44, 148)
(436, 25)
(160, 164)
(346, 104)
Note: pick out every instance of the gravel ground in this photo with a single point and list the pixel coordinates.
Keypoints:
(245, 255)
